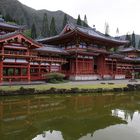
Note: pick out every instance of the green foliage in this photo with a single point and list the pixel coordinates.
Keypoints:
(53, 27)
(10, 71)
(45, 26)
(133, 42)
(54, 77)
(27, 33)
(128, 38)
(85, 23)
(65, 21)
(79, 22)
(33, 32)
(7, 17)
(113, 49)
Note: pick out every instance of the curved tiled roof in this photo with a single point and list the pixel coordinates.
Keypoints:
(130, 49)
(94, 33)
(51, 48)
(88, 31)
(116, 56)
(10, 26)
(17, 33)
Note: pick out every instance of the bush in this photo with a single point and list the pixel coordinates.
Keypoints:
(54, 77)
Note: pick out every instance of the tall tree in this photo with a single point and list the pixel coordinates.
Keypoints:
(53, 27)
(7, 17)
(45, 26)
(79, 22)
(65, 21)
(117, 31)
(106, 29)
(85, 23)
(133, 40)
(33, 32)
(128, 38)
(139, 45)
(27, 32)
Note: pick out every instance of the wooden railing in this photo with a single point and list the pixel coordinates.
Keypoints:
(97, 49)
(35, 57)
(15, 77)
(13, 53)
(50, 59)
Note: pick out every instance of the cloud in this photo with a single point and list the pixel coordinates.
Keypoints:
(118, 13)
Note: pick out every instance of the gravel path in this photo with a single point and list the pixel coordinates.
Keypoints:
(74, 82)
(101, 82)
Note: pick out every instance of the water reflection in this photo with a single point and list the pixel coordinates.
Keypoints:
(83, 117)
(48, 135)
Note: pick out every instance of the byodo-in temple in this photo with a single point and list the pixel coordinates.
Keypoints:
(81, 53)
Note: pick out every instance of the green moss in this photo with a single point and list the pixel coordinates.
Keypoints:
(64, 86)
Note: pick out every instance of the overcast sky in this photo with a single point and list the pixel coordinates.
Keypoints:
(124, 14)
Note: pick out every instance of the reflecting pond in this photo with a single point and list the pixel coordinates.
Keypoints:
(70, 117)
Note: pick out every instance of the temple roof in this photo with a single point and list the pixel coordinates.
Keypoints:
(93, 32)
(17, 34)
(130, 49)
(116, 56)
(1, 20)
(10, 26)
(124, 58)
(51, 48)
(86, 31)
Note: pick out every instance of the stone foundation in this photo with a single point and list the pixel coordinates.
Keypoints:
(119, 76)
(96, 77)
(107, 77)
(85, 77)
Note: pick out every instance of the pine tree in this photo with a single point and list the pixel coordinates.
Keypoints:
(85, 23)
(79, 22)
(27, 32)
(128, 38)
(53, 27)
(45, 26)
(106, 29)
(133, 40)
(139, 45)
(33, 32)
(65, 21)
(117, 31)
(7, 17)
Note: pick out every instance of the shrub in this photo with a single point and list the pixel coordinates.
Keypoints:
(54, 77)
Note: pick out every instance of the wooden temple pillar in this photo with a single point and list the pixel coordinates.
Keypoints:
(39, 70)
(1, 63)
(28, 72)
(76, 66)
(112, 67)
(50, 67)
(60, 68)
(101, 65)
(1, 70)
(20, 72)
(73, 66)
(70, 64)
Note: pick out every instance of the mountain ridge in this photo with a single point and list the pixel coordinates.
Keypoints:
(26, 15)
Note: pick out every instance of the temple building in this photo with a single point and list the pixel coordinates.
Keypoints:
(22, 58)
(89, 53)
(81, 53)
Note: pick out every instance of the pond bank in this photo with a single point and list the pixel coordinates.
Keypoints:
(76, 90)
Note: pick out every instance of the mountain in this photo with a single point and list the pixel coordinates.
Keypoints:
(137, 38)
(25, 15)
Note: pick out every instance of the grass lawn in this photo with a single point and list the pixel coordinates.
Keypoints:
(64, 86)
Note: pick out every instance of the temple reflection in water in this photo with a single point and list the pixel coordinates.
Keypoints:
(63, 117)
